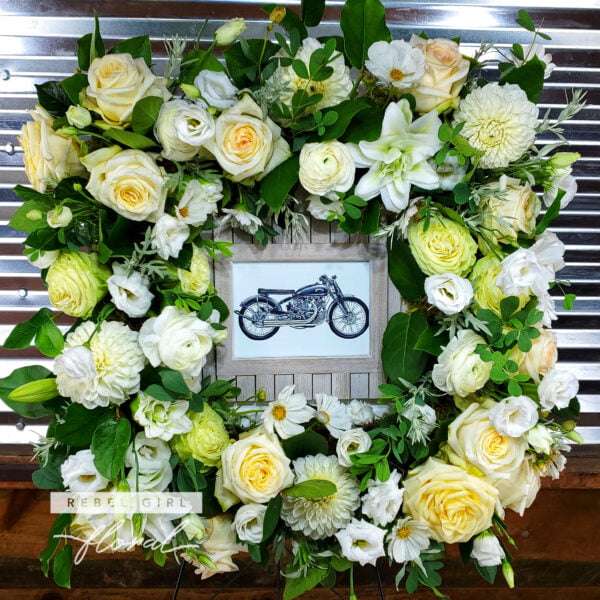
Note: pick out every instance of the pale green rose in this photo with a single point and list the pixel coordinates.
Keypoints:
(207, 439)
(444, 247)
(197, 279)
(76, 283)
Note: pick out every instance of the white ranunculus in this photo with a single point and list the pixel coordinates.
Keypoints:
(326, 168)
(383, 499)
(487, 550)
(549, 251)
(361, 413)
(199, 201)
(396, 63)
(521, 273)
(249, 521)
(514, 415)
(216, 89)
(547, 305)
(129, 291)
(182, 128)
(79, 474)
(459, 370)
(351, 442)
(540, 439)
(557, 388)
(159, 418)
(59, 217)
(178, 340)
(77, 365)
(448, 292)
(361, 542)
(321, 211)
(168, 236)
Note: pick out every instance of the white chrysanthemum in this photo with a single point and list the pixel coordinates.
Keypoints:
(118, 360)
(333, 414)
(318, 518)
(407, 539)
(241, 219)
(286, 414)
(383, 499)
(396, 63)
(335, 89)
(499, 121)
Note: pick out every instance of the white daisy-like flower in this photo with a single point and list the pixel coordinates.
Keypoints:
(106, 373)
(286, 414)
(335, 89)
(242, 219)
(333, 414)
(161, 419)
(396, 63)
(407, 539)
(383, 499)
(499, 121)
(199, 201)
(361, 542)
(318, 518)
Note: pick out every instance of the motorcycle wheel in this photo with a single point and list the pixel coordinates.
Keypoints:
(253, 311)
(349, 324)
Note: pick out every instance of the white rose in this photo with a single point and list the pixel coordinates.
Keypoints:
(216, 89)
(244, 144)
(182, 128)
(229, 32)
(168, 236)
(326, 168)
(557, 389)
(541, 358)
(514, 415)
(487, 550)
(79, 474)
(361, 413)
(199, 201)
(249, 521)
(448, 292)
(129, 291)
(128, 181)
(521, 272)
(58, 217)
(319, 210)
(520, 490)
(540, 439)
(178, 340)
(459, 370)
(382, 501)
(78, 116)
(361, 542)
(350, 442)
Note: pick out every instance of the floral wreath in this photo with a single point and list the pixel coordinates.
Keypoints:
(406, 140)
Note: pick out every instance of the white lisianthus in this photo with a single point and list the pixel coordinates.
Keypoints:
(514, 415)
(155, 480)
(159, 528)
(147, 454)
(459, 370)
(557, 389)
(326, 168)
(396, 63)
(535, 50)
(168, 236)
(567, 183)
(407, 539)
(487, 550)
(549, 251)
(521, 273)
(239, 217)
(499, 121)
(129, 291)
(199, 201)
(540, 439)
(323, 212)
(383, 499)
(398, 159)
(448, 292)
(178, 340)
(248, 522)
(106, 373)
(161, 419)
(216, 89)
(44, 259)
(450, 172)
(79, 474)
(361, 413)
(286, 414)
(547, 306)
(351, 442)
(59, 217)
(193, 526)
(361, 542)
(229, 32)
(182, 128)
(332, 414)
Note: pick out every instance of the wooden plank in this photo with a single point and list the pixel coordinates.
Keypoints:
(375, 380)
(322, 383)
(282, 381)
(359, 385)
(304, 384)
(340, 385)
(247, 383)
(319, 231)
(266, 383)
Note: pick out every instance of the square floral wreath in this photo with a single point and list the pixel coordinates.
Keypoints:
(404, 140)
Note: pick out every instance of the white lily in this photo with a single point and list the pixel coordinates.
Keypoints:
(398, 159)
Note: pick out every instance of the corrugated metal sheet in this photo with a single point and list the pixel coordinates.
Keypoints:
(37, 43)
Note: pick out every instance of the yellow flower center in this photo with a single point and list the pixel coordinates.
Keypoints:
(184, 212)
(491, 134)
(279, 412)
(396, 75)
(360, 543)
(244, 141)
(324, 417)
(403, 533)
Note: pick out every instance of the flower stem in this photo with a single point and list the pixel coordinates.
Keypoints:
(357, 82)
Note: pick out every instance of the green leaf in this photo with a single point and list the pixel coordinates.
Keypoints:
(529, 77)
(53, 97)
(79, 424)
(431, 343)
(551, 213)
(488, 573)
(462, 193)
(514, 389)
(508, 307)
(61, 568)
(61, 522)
(29, 410)
(174, 381)
(524, 20)
(345, 112)
(90, 46)
(73, 86)
(312, 488)
(159, 392)
(363, 24)
(400, 357)
(49, 340)
(370, 220)
(138, 47)
(296, 586)
(405, 272)
(109, 445)
(22, 334)
(275, 187)
(312, 12)
(568, 301)
(365, 125)
(308, 442)
(300, 69)
(47, 478)
(130, 139)
(271, 517)
(144, 115)
(194, 62)
(243, 68)
(22, 222)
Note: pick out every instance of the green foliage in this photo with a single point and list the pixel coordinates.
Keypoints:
(296, 586)
(90, 46)
(29, 410)
(311, 488)
(53, 97)
(109, 445)
(276, 186)
(79, 423)
(74, 85)
(195, 61)
(41, 326)
(405, 272)
(306, 443)
(144, 115)
(529, 77)
(242, 60)
(272, 515)
(61, 522)
(130, 139)
(312, 12)
(138, 47)
(61, 568)
(551, 213)
(291, 23)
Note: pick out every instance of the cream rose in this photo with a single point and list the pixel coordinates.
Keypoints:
(197, 279)
(454, 504)
(244, 144)
(445, 73)
(541, 358)
(116, 83)
(519, 491)
(128, 181)
(326, 168)
(48, 157)
(255, 468)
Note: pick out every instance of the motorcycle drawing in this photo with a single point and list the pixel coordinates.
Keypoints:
(261, 316)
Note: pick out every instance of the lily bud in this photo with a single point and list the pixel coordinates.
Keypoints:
(35, 215)
(563, 159)
(68, 131)
(41, 390)
(231, 31)
(261, 396)
(277, 14)
(191, 91)
(569, 425)
(509, 574)
(575, 437)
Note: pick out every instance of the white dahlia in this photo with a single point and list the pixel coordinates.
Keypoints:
(110, 374)
(499, 121)
(318, 518)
